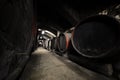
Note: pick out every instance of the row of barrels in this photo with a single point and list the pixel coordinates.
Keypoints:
(96, 37)
(94, 40)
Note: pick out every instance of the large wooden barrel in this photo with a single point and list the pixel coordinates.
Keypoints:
(49, 44)
(97, 37)
(92, 64)
(63, 42)
(54, 43)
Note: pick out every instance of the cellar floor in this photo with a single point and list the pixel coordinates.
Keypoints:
(45, 65)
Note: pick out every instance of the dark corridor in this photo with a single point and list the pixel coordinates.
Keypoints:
(59, 40)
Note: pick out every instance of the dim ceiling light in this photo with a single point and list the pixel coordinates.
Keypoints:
(43, 32)
(39, 29)
(50, 33)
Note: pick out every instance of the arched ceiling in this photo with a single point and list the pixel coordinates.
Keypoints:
(63, 14)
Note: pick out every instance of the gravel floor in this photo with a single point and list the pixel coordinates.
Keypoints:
(45, 65)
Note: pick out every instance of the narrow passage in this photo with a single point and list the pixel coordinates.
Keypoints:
(45, 65)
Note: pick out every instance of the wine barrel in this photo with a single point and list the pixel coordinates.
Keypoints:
(49, 45)
(92, 64)
(54, 43)
(63, 42)
(97, 37)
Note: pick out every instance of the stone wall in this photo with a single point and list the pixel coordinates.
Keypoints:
(15, 36)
